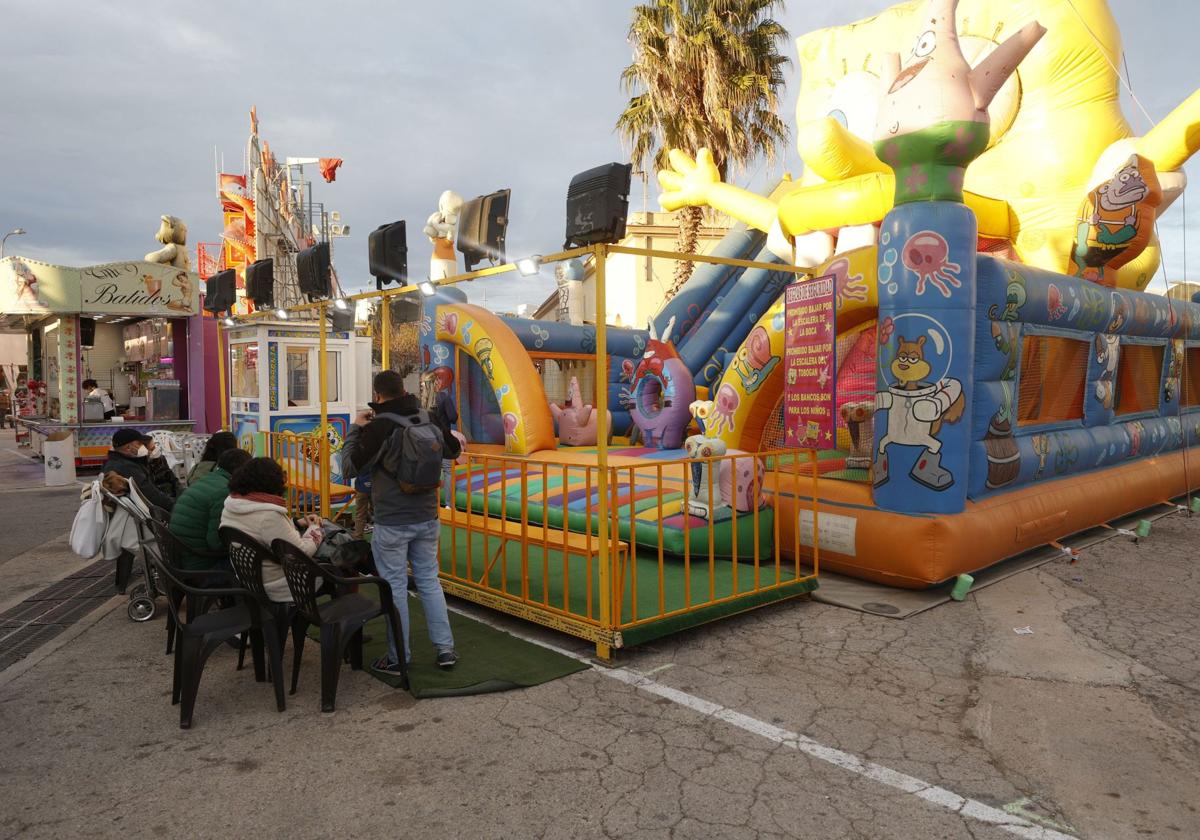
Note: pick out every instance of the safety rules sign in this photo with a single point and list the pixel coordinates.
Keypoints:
(809, 366)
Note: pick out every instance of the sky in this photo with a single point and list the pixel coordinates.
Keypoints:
(115, 108)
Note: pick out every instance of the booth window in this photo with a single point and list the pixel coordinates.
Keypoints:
(1138, 373)
(243, 367)
(1191, 376)
(301, 371)
(1053, 375)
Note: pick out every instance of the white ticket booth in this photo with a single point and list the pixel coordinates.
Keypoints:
(273, 371)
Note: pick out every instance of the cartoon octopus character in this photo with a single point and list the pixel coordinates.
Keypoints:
(1014, 299)
(927, 254)
(510, 425)
(447, 322)
(846, 286)
(724, 407)
(1055, 308)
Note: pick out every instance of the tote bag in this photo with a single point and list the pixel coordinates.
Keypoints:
(87, 531)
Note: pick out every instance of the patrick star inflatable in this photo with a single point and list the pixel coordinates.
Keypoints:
(577, 422)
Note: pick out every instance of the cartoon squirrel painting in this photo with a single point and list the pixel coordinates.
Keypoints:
(916, 411)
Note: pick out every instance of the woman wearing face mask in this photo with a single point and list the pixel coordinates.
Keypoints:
(128, 458)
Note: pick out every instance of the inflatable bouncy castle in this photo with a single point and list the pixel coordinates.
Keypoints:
(1002, 377)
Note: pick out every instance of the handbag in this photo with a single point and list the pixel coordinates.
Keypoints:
(87, 531)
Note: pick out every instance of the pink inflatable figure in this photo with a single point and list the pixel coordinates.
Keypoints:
(577, 422)
(933, 114)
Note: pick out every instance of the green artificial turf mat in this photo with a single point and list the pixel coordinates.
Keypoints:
(488, 659)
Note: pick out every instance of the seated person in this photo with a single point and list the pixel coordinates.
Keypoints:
(129, 458)
(257, 508)
(220, 442)
(160, 471)
(197, 514)
(91, 388)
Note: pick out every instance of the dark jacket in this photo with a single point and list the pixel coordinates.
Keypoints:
(201, 469)
(361, 450)
(163, 478)
(136, 469)
(196, 518)
(445, 412)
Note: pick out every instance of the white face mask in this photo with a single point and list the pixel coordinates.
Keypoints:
(142, 452)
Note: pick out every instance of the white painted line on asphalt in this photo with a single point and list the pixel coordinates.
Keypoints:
(932, 794)
(658, 670)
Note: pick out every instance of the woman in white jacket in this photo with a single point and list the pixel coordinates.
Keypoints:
(256, 507)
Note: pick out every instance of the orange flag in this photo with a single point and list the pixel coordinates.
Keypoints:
(329, 168)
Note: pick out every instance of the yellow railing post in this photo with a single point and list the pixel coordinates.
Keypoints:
(385, 334)
(607, 621)
(224, 395)
(322, 384)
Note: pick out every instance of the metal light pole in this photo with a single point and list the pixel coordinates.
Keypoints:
(13, 232)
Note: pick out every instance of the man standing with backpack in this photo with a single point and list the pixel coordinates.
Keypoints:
(403, 448)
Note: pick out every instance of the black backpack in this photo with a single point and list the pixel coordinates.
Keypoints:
(413, 453)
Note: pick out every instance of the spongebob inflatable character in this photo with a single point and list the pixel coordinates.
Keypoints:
(1056, 132)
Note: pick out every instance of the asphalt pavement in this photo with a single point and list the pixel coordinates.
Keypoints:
(798, 720)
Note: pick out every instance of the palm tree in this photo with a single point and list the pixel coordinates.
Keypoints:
(705, 73)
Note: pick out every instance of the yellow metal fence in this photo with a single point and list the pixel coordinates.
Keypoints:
(524, 537)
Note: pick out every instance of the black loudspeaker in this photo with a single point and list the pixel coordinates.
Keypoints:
(597, 204)
(482, 226)
(312, 266)
(260, 283)
(341, 320)
(220, 291)
(87, 332)
(387, 254)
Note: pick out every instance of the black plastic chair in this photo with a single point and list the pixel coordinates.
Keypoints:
(170, 553)
(341, 618)
(158, 514)
(202, 633)
(246, 555)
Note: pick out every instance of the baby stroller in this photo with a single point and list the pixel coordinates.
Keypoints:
(132, 511)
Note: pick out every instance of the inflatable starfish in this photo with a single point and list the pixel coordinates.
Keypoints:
(1056, 132)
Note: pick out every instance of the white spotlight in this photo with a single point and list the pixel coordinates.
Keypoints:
(427, 287)
(528, 266)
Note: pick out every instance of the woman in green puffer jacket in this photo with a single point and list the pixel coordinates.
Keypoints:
(197, 512)
(217, 445)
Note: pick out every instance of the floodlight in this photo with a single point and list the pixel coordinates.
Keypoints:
(482, 227)
(281, 314)
(220, 291)
(597, 204)
(529, 266)
(387, 253)
(260, 283)
(340, 303)
(427, 287)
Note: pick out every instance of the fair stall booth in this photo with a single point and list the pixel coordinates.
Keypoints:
(274, 371)
(134, 327)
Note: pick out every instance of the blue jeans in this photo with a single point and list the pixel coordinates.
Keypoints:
(447, 483)
(395, 547)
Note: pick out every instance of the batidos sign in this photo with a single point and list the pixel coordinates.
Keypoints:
(112, 294)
